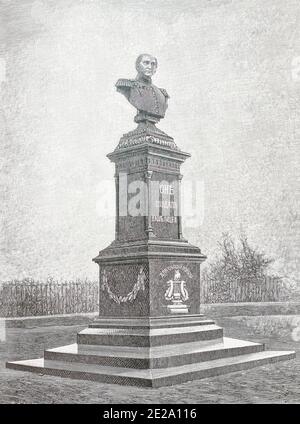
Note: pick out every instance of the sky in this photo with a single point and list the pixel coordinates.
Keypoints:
(232, 70)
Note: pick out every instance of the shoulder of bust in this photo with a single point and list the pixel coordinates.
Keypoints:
(125, 83)
(164, 92)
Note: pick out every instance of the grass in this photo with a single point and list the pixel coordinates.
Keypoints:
(278, 383)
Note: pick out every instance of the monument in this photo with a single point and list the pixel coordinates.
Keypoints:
(149, 331)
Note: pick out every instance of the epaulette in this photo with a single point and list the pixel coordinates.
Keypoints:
(164, 92)
(125, 83)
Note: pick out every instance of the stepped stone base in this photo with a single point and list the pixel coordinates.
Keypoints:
(151, 352)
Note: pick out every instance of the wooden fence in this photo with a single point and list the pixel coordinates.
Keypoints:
(269, 290)
(32, 298)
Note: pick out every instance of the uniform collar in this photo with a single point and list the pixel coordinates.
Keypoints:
(144, 81)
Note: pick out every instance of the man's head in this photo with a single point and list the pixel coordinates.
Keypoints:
(146, 65)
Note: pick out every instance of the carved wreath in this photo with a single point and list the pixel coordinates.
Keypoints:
(131, 296)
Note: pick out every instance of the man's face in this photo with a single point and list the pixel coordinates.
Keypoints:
(147, 66)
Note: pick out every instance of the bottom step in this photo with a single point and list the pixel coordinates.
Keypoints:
(154, 377)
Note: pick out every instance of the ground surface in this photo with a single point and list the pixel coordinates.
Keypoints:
(278, 383)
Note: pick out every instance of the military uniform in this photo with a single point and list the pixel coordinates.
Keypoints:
(149, 100)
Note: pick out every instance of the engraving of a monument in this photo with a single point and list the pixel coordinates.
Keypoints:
(150, 330)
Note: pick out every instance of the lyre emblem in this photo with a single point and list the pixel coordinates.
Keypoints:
(176, 291)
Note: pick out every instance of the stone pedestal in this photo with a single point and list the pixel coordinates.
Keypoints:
(149, 266)
(149, 331)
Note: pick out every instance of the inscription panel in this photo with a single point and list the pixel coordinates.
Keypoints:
(164, 205)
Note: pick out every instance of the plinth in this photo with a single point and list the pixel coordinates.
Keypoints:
(149, 270)
(149, 331)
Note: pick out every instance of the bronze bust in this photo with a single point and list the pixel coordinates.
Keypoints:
(150, 101)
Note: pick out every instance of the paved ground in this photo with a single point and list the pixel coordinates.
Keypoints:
(278, 383)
